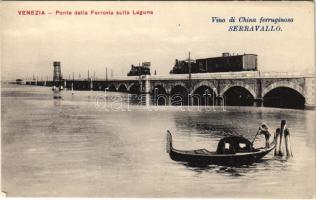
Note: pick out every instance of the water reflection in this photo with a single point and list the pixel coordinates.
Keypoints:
(266, 164)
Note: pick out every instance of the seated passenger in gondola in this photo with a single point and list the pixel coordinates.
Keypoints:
(233, 145)
(264, 130)
(228, 149)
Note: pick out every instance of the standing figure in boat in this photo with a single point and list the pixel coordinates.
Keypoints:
(283, 143)
(264, 130)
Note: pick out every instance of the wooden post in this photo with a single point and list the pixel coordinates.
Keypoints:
(278, 141)
(287, 140)
(283, 134)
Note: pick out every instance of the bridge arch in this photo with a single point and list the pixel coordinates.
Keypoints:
(179, 87)
(112, 88)
(285, 84)
(160, 84)
(130, 85)
(122, 87)
(103, 87)
(177, 83)
(159, 95)
(179, 94)
(238, 96)
(98, 86)
(133, 88)
(159, 88)
(284, 94)
(204, 83)
(239, 84)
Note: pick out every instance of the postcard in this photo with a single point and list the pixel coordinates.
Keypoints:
(200, 99)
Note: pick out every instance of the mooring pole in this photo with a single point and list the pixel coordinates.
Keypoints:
(281, 148)
(287, 141)
(282, 134)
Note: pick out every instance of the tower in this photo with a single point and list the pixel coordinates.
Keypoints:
(57, 73)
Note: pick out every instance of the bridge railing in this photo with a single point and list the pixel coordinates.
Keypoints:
(116, 78)
(233, 75)
(285, 74)
(120, 78)
(220, 75)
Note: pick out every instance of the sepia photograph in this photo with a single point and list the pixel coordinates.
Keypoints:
(165, 99)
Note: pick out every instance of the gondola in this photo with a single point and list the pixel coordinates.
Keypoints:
(231, 151)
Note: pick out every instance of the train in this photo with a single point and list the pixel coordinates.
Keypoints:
(224, 63)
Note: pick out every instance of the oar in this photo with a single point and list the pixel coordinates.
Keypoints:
(255, 137)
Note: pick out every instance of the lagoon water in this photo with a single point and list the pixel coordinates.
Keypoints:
(73, 147)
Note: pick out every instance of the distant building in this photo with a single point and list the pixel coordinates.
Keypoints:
(143, 69)
(225, 63)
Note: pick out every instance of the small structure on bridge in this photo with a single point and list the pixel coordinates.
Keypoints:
(143, 69)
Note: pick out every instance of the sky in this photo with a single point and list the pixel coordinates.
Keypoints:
(30, 44)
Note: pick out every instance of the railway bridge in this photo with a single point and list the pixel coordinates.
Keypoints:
(293, 90)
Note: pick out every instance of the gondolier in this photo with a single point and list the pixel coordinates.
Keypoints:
(264, 130)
